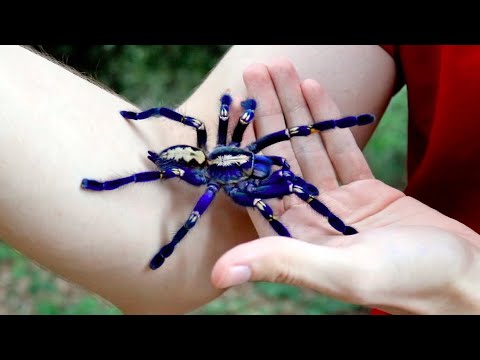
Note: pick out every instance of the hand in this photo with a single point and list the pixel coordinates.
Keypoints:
(406, 258)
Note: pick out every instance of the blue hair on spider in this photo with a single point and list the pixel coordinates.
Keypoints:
(249, 104)
(226, 99)
(245, 176)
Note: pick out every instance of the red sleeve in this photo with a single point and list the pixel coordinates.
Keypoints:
(378, 312)
(392, 50)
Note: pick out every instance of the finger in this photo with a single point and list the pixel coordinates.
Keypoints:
(269, 116)
(309, 151)
(333, 271)
(345, 155)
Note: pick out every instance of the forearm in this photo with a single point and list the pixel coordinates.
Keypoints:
(359, 78)
(57, 129)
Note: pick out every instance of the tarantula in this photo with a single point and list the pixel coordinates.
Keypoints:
(245, 176)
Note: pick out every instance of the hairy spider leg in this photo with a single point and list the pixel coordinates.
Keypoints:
(279, 161)
(306, 130)
(249, 107)
(306, 195)
(113, 184)
(203, 203)
(287, 184)
(277, 177)
(191, 177)
(280, 176)
(223, 119)
(172, 115)
(245, 199)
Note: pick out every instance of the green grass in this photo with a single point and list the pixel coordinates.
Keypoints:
(167, 74)
(386, 151)
(29, 289)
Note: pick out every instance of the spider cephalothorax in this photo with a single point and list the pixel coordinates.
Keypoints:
(247, 177)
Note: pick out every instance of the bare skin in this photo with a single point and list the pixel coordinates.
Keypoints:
(58, 128)
(407, 258)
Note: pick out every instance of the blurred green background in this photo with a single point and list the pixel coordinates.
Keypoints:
(167, 74)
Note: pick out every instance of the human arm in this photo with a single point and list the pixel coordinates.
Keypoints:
(58, 128)
(407, 257)
(359, 78)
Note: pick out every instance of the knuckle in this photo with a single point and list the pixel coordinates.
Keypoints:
(256, 72)
(282, 66)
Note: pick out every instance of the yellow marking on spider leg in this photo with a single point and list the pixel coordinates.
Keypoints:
(312, 129)
(310, 199)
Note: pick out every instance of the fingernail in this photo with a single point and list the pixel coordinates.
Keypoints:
(236, 275)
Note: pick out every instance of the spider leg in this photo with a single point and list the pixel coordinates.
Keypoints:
(277, 177)
(277, 185)
(196, 178)
(286, 184)
(279, 161)
(203, 203)
(306, 130)
(303, 190)
(246, 199)
(249, 106)
(172, 115)
(223, 119)
(113, 184)
(191, 177)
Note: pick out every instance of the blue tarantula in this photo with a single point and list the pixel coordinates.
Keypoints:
(244, 175)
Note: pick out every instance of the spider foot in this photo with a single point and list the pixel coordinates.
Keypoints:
(92, 185)
(160, 257)
(349, 231)
(167, 250)
(249, 104)
(157, 261)
(129, 115)
(226, 99)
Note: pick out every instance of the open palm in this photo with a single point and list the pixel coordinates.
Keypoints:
(326, 160)
(406, 258)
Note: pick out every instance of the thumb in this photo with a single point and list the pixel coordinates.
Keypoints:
(329, 270)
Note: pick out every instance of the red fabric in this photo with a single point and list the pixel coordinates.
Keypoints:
(378, 312)
(443, 84)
